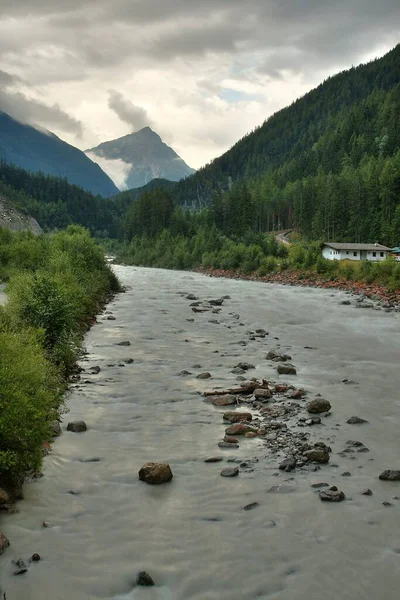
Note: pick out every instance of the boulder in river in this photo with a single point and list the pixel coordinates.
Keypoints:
(318, 405)
(239, 429)
(155, 473)
(262, 393)
(230, 472)
(124, 343)
(77, 426)
(205, 375)
(237, 417)
(4, 543)
(331, 495)
(191, 297)
(55, 428)
(286, 369)
(225, 400)
(228, 445)
(390, 475)
(214, 459)
(356, 421)
(288, 464)
(320, 455)
(216, 302)
(144, 579)
(245, 366)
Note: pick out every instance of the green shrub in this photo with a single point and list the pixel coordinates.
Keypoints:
(29, 397)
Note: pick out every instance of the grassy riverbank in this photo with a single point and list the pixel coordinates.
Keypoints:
(55, 286)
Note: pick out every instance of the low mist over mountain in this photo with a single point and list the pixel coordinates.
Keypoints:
(39, 150)
(138, 158)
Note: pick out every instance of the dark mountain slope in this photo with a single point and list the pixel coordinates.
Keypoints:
(317, 130)
(36, 150)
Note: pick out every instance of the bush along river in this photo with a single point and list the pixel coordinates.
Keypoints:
(272, 414)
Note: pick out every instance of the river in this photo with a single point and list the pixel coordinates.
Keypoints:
(192, 535)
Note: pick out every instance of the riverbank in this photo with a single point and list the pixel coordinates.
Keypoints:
(263, 532)
(56, 285)
(390, 300)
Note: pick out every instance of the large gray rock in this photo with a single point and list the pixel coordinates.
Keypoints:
(319, 455)
(390, 475)
(155, 473)
(230, 472)
(239, 429)
(286, 369)
(331, 496)
(77, 426)
(237, 417)
(55, 428)
(318, 405)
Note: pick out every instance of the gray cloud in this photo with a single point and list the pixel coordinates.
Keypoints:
(30, 110)
(134, 116)
(173, 55)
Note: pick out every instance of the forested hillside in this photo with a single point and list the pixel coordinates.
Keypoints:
(329, 164)
(55, 203)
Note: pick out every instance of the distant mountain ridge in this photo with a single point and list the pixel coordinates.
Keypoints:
(149, 157)
(35, 150)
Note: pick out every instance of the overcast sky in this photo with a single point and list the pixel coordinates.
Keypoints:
(201, 73)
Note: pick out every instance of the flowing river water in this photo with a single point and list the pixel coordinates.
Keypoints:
(192, 535)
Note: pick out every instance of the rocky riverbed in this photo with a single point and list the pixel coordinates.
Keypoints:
(277, 410)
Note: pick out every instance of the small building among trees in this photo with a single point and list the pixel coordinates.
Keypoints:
(347, 251)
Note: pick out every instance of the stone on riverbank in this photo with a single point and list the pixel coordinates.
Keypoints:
(239, 429)
(155, 473)
(77, 426)
(286, 369)
(237, 417)
(55, 428)
(262, 394)
(4, 543)
(318, 405)
(390, 475)
(319, 455)
(225, 400)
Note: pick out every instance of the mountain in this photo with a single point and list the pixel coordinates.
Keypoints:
(13, 219)
(38, 150)
(327, 165)
(147, 157)
(336, 119)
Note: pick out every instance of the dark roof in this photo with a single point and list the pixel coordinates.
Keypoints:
(349, 246)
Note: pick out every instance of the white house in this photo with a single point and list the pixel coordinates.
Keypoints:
(374, 252)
